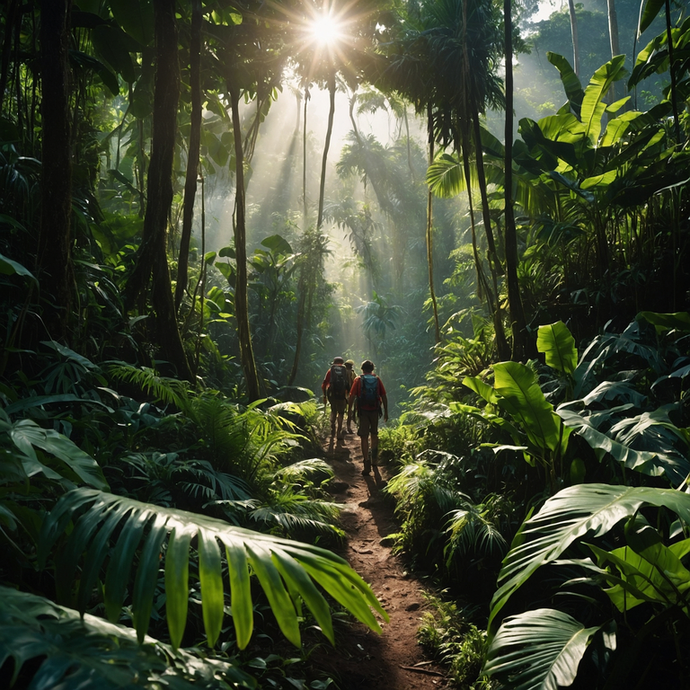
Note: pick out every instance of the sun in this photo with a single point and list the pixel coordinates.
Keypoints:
(326, 30)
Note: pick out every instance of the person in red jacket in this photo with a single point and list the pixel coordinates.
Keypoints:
(370, 394)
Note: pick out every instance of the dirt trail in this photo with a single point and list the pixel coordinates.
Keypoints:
(365, 660)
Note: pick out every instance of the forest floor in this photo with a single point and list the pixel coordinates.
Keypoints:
(364, 660)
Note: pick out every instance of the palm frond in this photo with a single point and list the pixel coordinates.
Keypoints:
(313, 468)
(538, 649)
(54, 646)
(103, 522)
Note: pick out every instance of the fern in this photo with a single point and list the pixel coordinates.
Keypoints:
(169, 391)
(313, 468)
(292, 511)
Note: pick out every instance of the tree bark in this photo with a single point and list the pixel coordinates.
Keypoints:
(251, 375)
(10, 18)
(304, 161)
(613, 39)
(494, 265)
(517, 313)
(152, 258)
(54, 256)
(192, 154)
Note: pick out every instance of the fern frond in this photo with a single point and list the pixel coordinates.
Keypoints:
(167, 390)
(305, 470)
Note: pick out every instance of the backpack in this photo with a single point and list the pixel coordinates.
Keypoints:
(368, 392)
(337, 386)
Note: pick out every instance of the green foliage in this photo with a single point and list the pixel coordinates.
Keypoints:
(52, 644)
(447, 634)
(24, 444)
(284, 568)
(539, 649)
(644, 570)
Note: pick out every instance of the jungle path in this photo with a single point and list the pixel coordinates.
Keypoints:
(362, 659)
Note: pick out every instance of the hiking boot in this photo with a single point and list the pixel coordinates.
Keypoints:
(365, 471)
(341, 434)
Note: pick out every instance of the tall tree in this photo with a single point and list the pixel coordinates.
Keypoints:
(430, 229)
(517, 314)
(240, 234)
(192, 151)
(326, 146)
(54, 256)
(152, 258)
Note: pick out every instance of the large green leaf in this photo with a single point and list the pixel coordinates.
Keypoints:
(585, 509)
(571, 82)
(520, 396)
(538, 649)
(136, 18)
(558, 346)
(652, 463)
(27, 435)
(282, 566)
(679, 321)
(656, 574)
(593, 106)
(8, 267)
(54, 647)
(649, 13)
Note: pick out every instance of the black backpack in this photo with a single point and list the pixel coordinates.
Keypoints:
(337, 386)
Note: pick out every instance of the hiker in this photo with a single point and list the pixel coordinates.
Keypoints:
(349, 363)
(335, 387)
(369, 392)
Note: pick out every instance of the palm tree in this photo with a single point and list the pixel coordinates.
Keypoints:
(444, 58)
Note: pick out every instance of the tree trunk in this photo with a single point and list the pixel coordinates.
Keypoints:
(304, 161)
(10, 18)
(152, 258)
(301, 308)
(326, 146)
(54, 256)
(192, 154)
(494, 265)
(573, 33)
(613, 40)
(430, 229)
(251, 375)
(517, 314)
